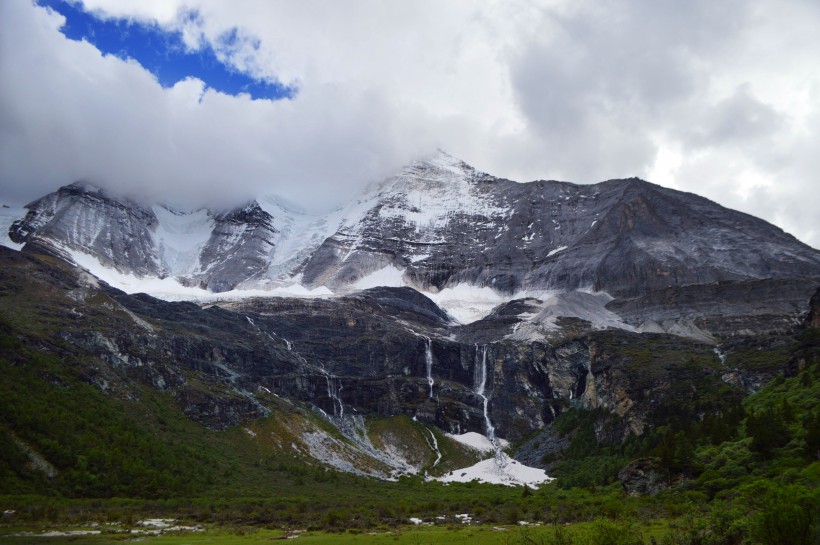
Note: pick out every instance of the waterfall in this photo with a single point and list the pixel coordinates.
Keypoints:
(480, 379)
(428, 359)
(482, 383)
(269, 335)
(334, 393)
(339, 399)
(433, 446)
(721, 356)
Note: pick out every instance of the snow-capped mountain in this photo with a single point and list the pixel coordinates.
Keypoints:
(442, 227)
(214, 250)
(441, 223)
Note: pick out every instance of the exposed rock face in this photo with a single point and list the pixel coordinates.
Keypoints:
(84, 218)
(238, 250)
(814, 310)
(541, 449)
(644, 477)
(379, 352)
(370, 358)
(355, 355)
(772, 305)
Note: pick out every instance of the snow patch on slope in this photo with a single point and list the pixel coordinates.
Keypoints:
(298, 235)
(427, 194)
(558, 249)
(509, 473)
(389, 276)
(169, 289)
(578, 304)
(500, 469)
(587, 306)
(464, 302)
(467, 303)
(425, 197)
(477, 441)
(179, 238)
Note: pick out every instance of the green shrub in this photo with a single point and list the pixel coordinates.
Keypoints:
(789, 516)
(610, 532)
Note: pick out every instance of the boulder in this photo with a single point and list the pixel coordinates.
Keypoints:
(644, 477)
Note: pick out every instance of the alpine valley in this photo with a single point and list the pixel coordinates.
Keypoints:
(444, 327)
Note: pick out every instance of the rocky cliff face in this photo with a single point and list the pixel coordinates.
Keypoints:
(724, 308)
(386, 351)
(238, 249)
(84, 218)
(814, 310)
(377, 353)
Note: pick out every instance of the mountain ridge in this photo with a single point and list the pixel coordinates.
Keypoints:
(441, 226)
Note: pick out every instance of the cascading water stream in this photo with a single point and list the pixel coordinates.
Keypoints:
(480, 379)
(339, 399)
(333, 392)
(434, 446)
(270, 335)
(428, 360)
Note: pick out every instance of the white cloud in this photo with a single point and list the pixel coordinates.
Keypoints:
(707, 96)
(72, 113)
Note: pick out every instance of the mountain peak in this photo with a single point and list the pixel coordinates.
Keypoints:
(441, 162)
(84, 186)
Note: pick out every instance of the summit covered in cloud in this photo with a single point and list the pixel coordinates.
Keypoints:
(718, 99)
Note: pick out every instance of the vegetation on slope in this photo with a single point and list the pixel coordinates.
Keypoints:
(749, 471)
(756, 480)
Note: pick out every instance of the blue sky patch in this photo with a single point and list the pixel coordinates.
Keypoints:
(163, 53)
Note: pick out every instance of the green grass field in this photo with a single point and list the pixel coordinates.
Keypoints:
(404, 535)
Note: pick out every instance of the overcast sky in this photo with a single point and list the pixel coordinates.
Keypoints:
(716, 97)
